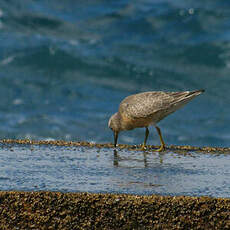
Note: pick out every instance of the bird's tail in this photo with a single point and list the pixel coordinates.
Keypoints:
(195, 92)
(182, 98)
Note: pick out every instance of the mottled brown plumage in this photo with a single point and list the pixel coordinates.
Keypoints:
(148, 108)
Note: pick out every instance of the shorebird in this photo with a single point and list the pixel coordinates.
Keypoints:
(148, 108)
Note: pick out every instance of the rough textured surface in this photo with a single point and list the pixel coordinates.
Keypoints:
(110, 145)
(54, 210)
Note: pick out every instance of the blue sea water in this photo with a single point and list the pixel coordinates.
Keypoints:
(66, 65)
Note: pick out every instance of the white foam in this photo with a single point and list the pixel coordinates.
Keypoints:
(18, 101)
(7, 60)
(1, 13)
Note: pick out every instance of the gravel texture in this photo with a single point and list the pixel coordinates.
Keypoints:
(55, 210)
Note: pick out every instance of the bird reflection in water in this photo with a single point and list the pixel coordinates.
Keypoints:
(117, 158)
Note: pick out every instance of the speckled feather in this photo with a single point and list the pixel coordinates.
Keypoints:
(154, 105)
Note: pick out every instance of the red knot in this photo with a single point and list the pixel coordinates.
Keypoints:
(148, 108)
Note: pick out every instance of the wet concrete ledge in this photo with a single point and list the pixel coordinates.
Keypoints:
(110, 145)
(55, 210)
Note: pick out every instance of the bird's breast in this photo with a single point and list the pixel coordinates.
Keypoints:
(128, 123)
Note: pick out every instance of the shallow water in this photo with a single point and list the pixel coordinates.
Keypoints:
(82, 169)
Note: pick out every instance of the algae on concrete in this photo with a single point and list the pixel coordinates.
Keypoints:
(110, 145)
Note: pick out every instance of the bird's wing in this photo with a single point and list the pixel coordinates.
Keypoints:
(146, 104)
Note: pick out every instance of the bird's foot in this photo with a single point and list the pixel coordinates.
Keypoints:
(143, 147)
(162, 148)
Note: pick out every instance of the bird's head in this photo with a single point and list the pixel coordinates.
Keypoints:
(115, 125)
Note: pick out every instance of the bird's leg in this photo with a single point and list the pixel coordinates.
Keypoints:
(146, 137)
(115, 138)
(161, 139)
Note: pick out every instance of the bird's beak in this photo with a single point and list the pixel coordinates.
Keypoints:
(115, 138)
